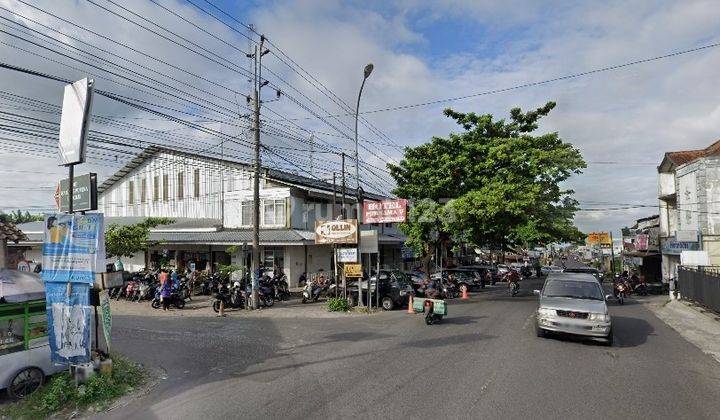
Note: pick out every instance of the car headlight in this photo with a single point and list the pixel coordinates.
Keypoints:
(599, 317)
(546, 312)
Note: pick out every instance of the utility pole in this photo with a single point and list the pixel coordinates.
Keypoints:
(342, 211)
(257, 86)
(359, 192)
(312, 154)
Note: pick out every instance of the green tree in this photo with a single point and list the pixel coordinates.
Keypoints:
(501, 185)
(126, 241)
(424, 229)
(17, 217)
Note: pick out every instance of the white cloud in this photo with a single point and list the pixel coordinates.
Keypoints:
(629, 115)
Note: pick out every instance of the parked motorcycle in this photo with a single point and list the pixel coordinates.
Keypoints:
(230, 298)
(280, 288)
(175, 299)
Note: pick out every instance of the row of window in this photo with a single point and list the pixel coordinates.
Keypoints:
(163, 186)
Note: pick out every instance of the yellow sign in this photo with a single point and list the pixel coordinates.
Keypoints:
(353, 270)
(598, 238)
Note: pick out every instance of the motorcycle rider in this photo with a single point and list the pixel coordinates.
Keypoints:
(513, 278)
(432, 288)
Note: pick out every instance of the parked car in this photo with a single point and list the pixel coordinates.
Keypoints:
(483, 269)
(573, 304)
(395, 289)
(503, 269)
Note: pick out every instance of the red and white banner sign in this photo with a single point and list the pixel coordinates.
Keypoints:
(641, 242)
(386, 211)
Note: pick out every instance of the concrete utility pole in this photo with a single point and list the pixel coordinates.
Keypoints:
(342, 210)
(257, 86)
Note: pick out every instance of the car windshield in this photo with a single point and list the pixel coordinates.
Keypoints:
(573, 289)
(402, 277)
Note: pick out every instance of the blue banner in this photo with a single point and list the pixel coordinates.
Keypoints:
(73, 248)
(69, 322)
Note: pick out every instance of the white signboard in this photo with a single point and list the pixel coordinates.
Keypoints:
(74, 121)
(695, 258)
(369, 241)
(346, 255)
(686, 236)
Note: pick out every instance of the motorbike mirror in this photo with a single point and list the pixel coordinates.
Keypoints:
(536, 292)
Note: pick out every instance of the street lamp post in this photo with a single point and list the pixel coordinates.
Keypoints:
(366, 74)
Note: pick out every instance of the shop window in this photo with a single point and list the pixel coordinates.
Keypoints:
(143, 190)
(156, 188)
(196, 183)
(273, 258)
(166, 187)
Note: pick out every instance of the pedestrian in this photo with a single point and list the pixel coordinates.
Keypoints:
(165, 293)
(175, 279)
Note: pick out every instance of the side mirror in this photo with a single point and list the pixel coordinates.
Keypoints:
(536, 292)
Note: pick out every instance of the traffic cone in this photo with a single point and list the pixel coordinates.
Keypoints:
(465, 293)
(410, 305)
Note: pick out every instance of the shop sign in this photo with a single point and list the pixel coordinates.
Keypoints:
(352, 270)
(673, 247)
(598, 238)
(386, 211)
(346, 255)
(407, 253)
(336, 231)
(686, 236)
(84, 193)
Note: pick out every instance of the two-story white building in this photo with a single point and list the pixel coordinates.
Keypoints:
(689, 201)
(211, 201)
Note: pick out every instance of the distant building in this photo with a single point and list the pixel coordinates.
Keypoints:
(689, 200)
(641, 248)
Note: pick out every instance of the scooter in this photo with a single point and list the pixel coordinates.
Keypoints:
(232, 298)
(431, 317)
(514, 288)
(621, 290)
(175, 300)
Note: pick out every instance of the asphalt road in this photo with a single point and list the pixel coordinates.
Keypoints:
(482, 361)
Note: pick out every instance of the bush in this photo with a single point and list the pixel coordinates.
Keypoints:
(338, 305)
(61, 393)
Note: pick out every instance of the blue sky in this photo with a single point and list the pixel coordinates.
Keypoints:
(425, 51)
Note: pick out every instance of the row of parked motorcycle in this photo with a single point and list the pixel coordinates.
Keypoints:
(145, 286)
(624, 285)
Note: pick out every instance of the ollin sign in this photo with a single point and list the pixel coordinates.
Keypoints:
(336, 231)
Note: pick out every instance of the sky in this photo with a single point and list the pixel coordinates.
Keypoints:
(622, 121)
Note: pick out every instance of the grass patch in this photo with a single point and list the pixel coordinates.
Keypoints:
(338, 305)
(61, 394)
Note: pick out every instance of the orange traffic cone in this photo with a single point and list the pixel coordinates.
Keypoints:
(410, 305)
(465, 293)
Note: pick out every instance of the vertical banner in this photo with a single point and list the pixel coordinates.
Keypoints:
(69, 322)
(106, 317)
(74, 248)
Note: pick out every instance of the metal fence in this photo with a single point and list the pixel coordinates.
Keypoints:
(700, 285)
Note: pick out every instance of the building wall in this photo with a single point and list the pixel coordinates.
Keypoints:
(666, 184)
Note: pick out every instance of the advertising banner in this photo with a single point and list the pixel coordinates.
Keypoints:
(68, 318)
(598, 238)
(352, 270)
(346, 255)
(641, 242)
(73, 248)
(336, 231)
(386, 211)
(106, 316)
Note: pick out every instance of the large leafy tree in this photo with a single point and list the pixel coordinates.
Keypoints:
(500, 184)
(126, 241)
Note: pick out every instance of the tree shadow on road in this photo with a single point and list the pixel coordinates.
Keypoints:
(631, 332)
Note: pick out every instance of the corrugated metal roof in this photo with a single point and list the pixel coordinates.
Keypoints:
(268, 236)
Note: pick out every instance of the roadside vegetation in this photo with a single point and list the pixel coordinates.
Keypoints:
(61, 396)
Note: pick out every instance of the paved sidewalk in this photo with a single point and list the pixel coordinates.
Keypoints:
(697, 325)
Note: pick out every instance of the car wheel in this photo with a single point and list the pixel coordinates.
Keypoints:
(540, 332)
(25, 383)
(388, 304)
(609, 340)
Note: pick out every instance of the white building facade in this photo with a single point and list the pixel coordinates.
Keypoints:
(211, 201)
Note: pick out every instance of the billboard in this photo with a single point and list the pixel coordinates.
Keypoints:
(73, 248)
(336, 231)
(386, 211)
(84, 193)
(75, 121)
(641, 242)
(598, 238)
